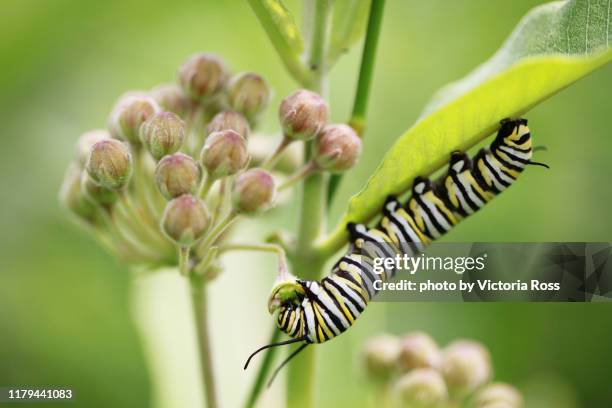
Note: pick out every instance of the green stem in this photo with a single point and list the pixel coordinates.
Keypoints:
(206, 185)
(269, 20)
(183, 260)
(364, 82)
(300, 386)
(266, 366)
(299, 175)
(200, 315)
(301, 371)
(215, 233)
(147, 229)
(271, 161)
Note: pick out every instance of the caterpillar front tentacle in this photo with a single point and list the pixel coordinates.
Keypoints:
(318, 311)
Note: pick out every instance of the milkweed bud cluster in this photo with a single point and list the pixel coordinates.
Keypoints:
(420, 374)
(173, 166)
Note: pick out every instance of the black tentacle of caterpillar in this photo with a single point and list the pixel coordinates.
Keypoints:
(317, 311)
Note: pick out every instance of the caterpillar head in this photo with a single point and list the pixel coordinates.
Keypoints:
(513, 130)
(286, 291)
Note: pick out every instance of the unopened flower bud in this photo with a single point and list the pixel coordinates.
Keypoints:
(171, 98)
(421, 388)
(162, 134)
(499, 395)
(418, 350)
(202, 76)
(229, 120)
(110, 163)
(177, 174)
(129, 113)
(465, 365)
(255, 190)
(337, 148)
(248, 93)
(71, 195)
(185, 220)
(86, 141)
(303, 114)
(224, 153)
(380, 356)
(97, 193)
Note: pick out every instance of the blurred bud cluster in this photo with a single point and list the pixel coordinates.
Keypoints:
(176, 165)
(414, 372)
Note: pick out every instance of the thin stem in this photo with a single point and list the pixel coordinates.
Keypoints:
(125, 239)
(266, 365)
(223, 197)
(206, 185)
(299, 175)
(183, 260)
(203, 248)
(200, 315)
(217, 230)
(277, 249)
(271, 161)
(147, 227)
(206, 261)
(276, 31)
(364, 82)
(252, 247)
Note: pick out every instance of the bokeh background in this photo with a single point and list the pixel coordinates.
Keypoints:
(68, 310)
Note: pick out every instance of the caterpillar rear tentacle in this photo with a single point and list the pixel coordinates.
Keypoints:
(317, 311)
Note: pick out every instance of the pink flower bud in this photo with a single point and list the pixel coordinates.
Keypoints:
(466, 365)
(303, 114)
(162, 134)
(229, 120)
(129, 113)
(248, 93)
(177, 174)
(224, 153)
(499, 395)
(418, 350)
(202, 76)
(337, 148)
(422, 388)
(254, 190)
(72, 197)
(86, 141)
(185, 220)
(380, 356)
(110, 163)
(171, 98)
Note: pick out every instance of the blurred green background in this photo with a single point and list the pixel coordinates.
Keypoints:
(66, 314)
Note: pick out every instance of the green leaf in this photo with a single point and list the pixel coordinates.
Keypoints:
(349, 22)
(553, 46)
(279, 24)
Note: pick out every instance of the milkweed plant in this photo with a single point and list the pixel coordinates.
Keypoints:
(177, 167)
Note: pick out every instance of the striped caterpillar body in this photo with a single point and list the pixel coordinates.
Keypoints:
(317, 311)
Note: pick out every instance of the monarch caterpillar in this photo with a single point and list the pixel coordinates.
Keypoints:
(317, 311)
